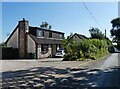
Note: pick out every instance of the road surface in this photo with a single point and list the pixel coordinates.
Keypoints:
(103, 73)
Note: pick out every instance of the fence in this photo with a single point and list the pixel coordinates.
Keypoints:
(10, 53)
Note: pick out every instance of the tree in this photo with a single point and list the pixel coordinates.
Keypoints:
(44, 25)
(71, 34)
(96, 33)
(115, 31)
(3, 45)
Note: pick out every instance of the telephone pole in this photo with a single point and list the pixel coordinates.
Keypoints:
(105, 33)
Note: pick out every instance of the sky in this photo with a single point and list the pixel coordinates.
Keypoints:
(59, 0)
(0, 22)
(67, 17)
(119, 9)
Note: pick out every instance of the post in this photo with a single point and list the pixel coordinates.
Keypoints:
(105, 33)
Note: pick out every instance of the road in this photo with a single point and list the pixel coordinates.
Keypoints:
(105, 72)
(102, 73)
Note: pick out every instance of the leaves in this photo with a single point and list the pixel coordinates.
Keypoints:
(89, 48)
(96, 33)
(45, 25)
(115, 31)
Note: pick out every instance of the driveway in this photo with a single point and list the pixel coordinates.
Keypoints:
(56, 74)
(14, 65)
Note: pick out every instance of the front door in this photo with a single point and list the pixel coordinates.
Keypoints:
(54, 48)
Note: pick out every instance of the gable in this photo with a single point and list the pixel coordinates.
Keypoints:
(77, 37)
(31, 45)
(11, 34)
(12, 41)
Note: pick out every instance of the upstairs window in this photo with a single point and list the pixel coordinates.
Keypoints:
(40, 33)
(50, 34)
(61, 35)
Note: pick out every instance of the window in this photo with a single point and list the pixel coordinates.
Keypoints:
(50, 34)
(40, 33)
(44, 48)
(61, 35)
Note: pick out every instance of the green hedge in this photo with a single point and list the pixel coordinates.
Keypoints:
(88, 48)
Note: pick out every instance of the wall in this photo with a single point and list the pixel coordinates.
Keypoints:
(46, 34)
(31, 45)
(57, 35)
(54, 35)
(13, 41)
(43, 55)
(77, 39)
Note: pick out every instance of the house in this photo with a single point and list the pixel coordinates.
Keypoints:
(77, 37)
(40, 41)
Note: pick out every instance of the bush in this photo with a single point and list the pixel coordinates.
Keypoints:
(88, 48)
(111, 49)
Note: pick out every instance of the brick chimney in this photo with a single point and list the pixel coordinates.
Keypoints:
(22, 38)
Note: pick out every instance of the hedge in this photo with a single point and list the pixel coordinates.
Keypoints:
(88, 48)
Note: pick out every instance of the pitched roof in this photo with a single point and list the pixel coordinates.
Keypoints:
(33, 29)
(45, 40)
(80, 36)
(45, 29)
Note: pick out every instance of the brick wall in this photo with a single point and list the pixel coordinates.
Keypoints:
(23, 27)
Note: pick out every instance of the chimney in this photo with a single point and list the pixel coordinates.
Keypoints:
(105, 33)
(23, 19)
(22, 38)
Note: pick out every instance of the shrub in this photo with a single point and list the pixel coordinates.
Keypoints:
(88, 48)
(111, 49)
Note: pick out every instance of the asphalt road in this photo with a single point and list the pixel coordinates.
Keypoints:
(103, 73)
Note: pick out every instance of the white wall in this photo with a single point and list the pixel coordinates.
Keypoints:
(31, 45)
(13, 41)
(39, 51)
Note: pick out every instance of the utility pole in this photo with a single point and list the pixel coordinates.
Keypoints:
(105, 33)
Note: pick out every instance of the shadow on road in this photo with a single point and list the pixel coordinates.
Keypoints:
(52, 78)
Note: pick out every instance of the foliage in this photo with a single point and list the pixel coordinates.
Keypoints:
(115, 31)
(70, 48)
(111, 49)
(88, 48)
(109, 42)
(4, 45)
(71, 34)
(96, 33)
(45, 25)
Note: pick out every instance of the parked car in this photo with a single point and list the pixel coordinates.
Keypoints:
(60, 53)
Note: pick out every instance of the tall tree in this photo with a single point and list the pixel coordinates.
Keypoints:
(96, 33)
(115, 31)
(44, 25)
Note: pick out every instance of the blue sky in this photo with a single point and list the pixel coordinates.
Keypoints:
(68, 17)
(0, 22)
